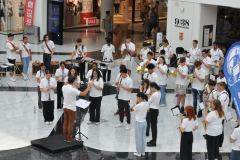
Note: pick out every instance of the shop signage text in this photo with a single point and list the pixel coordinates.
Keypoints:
(182, 23)
(29, 12)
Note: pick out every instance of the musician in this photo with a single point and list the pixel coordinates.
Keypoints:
(73, 73)
(206, 64)
(209, 94)
(181, 83)
(61, 74)
(80, 52)
(47, 87)
(141, 109)
(194, 54)
(70, 93)
(124, 87)
(217, 58)
(39, 76)
(188, 125)
(108, 50)
(198, 86)
(48, 51)
(145, 87)
(152, 117)
(150, 56)
(95, 97)
(25, 56)
(151, 75)
(167, 51)
(127, 49)
(89, 73)
(221, 77)
(144, 51)
(162, 80)
(11, 50)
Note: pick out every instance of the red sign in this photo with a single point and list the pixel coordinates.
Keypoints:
(29, 12)
(92, 21)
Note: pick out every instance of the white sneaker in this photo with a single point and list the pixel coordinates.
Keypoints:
(119, 125)
(97, 123)
(137, 154)
(13, 79)
(51, 122)
(89, 123)
(127, 127)
(162, 105)
(46, 122)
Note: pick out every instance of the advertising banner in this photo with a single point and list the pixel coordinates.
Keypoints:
(232, 73)
(29, 12)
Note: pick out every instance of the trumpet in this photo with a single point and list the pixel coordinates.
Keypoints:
(141, 69)
(190, 77)
(172, 74)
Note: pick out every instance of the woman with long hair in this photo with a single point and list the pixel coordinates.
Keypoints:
(95, 97)
(48, 50)
(213, 126)
(73, 73)
(145, 87)
(188, 125)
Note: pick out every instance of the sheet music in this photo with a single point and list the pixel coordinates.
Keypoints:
(81, 103)
(175, 111)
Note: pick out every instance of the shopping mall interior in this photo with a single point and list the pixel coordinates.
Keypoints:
(24, 133)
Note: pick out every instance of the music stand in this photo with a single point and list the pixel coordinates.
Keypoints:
(82, 105)
(4, 70)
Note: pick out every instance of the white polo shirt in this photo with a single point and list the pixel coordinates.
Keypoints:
(50, 45)
(236, 136)
(24, 51)
(216, 55)
(40, 74)
(223, 97)
(214, 127)
(10, 54)
(62, 73)
(80, 51)
(168, 52)
(179, 79)
(89, 73)
(221, 80)
(94, 92)
(207, 60)
(154, 100)
(70, 93)
(108, 52)
(130, 46)
(146, 62)
(197, 84)
(124, 94)
(143, 52)
(46, 83)
(189, 125)
(141, 110)
(151, 77)
(163, 77)
(195, 54)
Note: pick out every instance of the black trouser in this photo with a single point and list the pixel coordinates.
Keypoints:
(95, 108)
(212, 147)
(81, 70)
(186, 146)
(40, 106)
(47, 60)
(221, 136)
(59, 95)
(106, 73)
(12, 61)
(124, 108)
(48, 111)
(153, 117)
(148, 123)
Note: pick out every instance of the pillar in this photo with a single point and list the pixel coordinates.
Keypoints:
(40, 16)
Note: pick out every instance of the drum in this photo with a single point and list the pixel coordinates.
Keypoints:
(35, 67)
(54, 66)
(68, 64)
(18, 68)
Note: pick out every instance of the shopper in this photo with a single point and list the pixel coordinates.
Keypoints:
(95, 97)
(25, 56)
(235, 140)
(162, 81)
(188, 125)
(39, 76)
(47, 87)
(154, 101)
(213, 126)
(140, 110)
(48, 51)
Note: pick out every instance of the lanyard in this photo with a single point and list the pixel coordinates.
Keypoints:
(49, 98)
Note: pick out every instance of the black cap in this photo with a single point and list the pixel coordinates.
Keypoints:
(10, 35)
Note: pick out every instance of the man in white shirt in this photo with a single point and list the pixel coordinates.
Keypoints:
(61, 74)
(11, 49)
(69, 105)
(194, 54)
(217, 58)
(150, 56)
(48, 51)
(151, 75)
(39, 76)
(166, 50)
(127, 50)
(124, 87)
(25, 56)
(144, 51)
(181, 83)
(206, 64)
(198, 86)
(47, 86)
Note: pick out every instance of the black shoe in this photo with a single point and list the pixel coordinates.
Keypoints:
(147, 134)
(182, 110)
(152, 144)
(199, 115)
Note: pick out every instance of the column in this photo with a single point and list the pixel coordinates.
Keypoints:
(40, 16)
(106, 5)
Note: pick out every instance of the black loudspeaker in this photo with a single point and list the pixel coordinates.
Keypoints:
(55, 21)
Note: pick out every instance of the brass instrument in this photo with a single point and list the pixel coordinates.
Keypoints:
(142, 69)
(190, 77)
(172, 74)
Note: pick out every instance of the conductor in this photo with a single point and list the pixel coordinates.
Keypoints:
(70, 92)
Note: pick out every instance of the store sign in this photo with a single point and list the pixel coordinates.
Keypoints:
(232, 73)
(92, 21)
(182, 23)
(29, 12)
